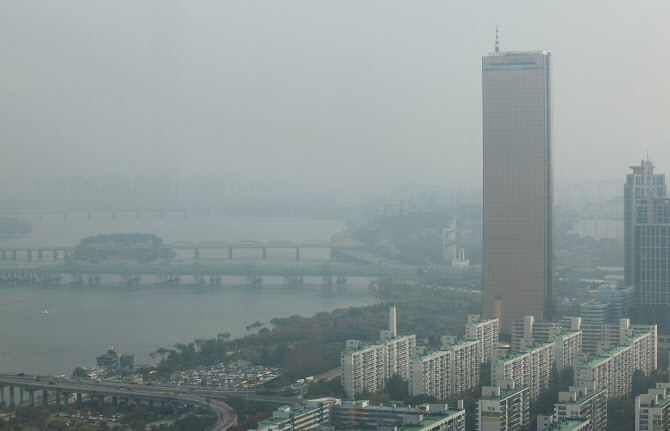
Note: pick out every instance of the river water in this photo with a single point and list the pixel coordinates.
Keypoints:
(82, 321)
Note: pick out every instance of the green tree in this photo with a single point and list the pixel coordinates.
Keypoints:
(397, 388)
(79, 372)
(58, 425)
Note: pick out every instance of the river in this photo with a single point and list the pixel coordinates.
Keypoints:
(82, 321)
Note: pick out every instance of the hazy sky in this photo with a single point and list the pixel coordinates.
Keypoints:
(329, 92)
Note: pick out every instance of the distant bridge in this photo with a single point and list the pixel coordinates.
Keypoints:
(53, 253)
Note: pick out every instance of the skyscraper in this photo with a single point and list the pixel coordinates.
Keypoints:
(518, 185)
(639, 184)
(647, 244)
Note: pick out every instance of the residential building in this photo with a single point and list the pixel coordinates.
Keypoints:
(304, 417)
(505, 408)
(568, 425)
(431, 374)
(518, 185)
(565, 335)
(484, 330)
(652, 410)
(367, 367)
(597, 337)
(613, 369)
(527, 331)
(465, 361)
(450, 241)
(529, 367)
(356, 414)
(583, 402)
(567, 345)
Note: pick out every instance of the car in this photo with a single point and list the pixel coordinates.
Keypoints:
(51, 382)
(22, 374)
(129, 389)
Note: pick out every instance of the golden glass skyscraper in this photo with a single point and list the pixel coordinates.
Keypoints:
(518, 186)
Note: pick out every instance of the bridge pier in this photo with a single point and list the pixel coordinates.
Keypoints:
(57, 397)
(78, 397)
(230, 253)
(265, 253)
(115, 400)
(2, 395)
(21, 395)
(31, 395)
(11, 396)
(297, 254)
(66, 399)
(327, 281)
(101, 399)
(151, 403)
(55, 254)
(45, 397)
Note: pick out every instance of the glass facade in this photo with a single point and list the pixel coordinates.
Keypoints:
(639, 184)
(518, 186)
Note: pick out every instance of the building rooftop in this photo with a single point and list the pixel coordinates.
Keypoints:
(505, 393)
(519, 53)
(378, 343)
(593, 361)
(429, 354)
(514, 355)
(430, 419)
(458, 344)
(566, 333)
(565, 425)
(583, 398)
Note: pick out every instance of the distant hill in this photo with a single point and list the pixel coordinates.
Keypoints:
(122, 248)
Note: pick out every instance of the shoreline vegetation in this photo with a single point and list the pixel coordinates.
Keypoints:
(305, 346)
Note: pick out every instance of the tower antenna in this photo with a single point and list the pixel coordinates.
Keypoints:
(497, 41)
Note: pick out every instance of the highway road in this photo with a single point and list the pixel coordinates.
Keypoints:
(169, 393)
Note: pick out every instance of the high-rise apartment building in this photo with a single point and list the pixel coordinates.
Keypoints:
(484, 330)
(529, 367)
(583, 402)
(518, 185)
(652, 410)
(505, 408)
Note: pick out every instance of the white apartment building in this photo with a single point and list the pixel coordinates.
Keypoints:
(465, 362)
(526, 331)
(567, 345)
(484, 330)
(431, 374)
(652, 410)
(613, 368)
(598, 229)
(529, 367)
(583, 402)
(505, 408)
(597, 337)
(368, 367)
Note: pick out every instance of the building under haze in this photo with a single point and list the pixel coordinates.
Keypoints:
(518, 185)
(647, 244)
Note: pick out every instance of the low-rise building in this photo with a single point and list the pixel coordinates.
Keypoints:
(652, 410)
(583, 402)
(505, 408)
(357, 414)
(568, 425)
(306, 416)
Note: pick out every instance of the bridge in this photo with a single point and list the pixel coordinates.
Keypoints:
(211, 274)
(53, 253)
